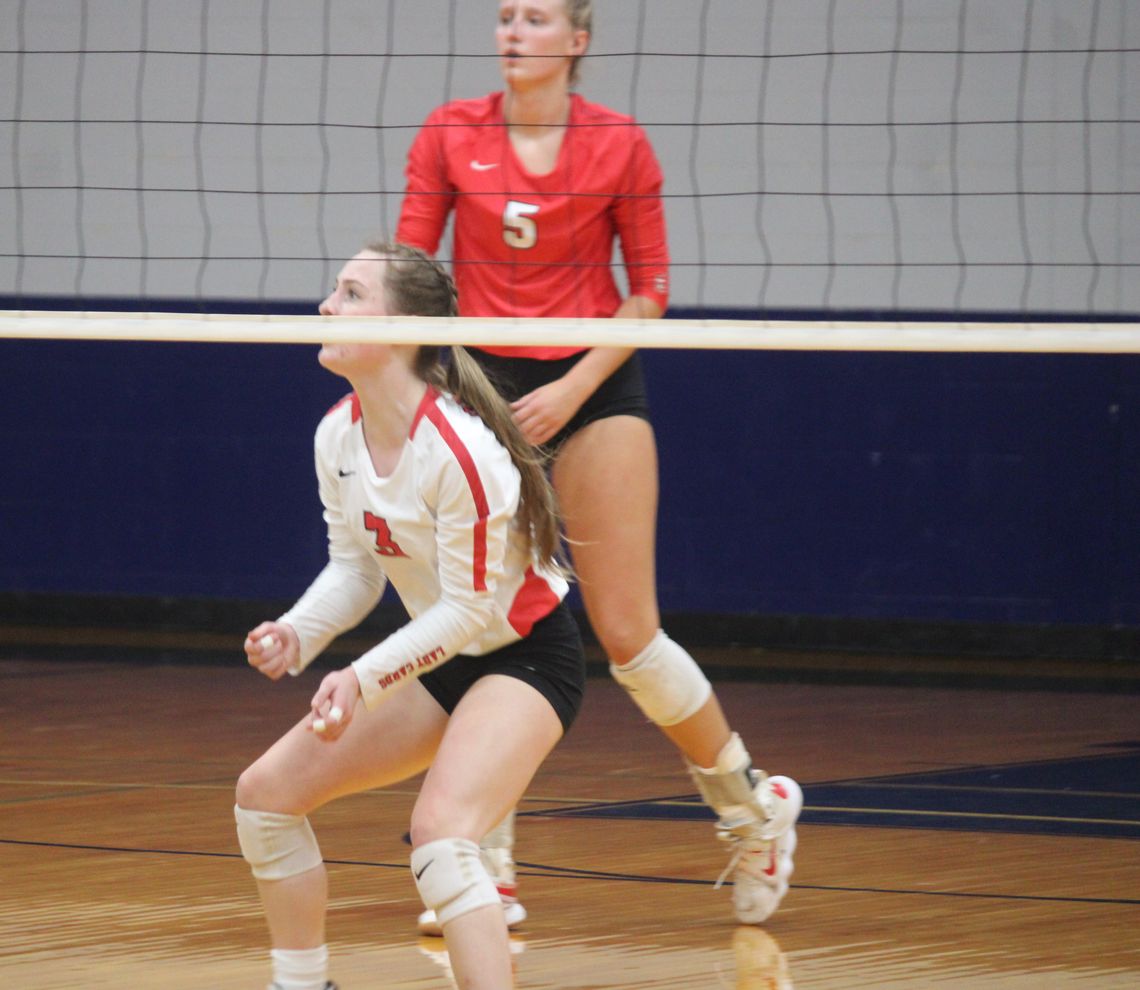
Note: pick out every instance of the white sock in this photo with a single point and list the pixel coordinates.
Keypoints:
(300, 969)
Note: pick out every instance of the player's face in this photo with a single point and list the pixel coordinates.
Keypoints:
(358, 292)
(536, 41)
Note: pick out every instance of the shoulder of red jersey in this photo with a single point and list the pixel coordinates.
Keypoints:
(586, 112)
(609, 132)
(478, 110)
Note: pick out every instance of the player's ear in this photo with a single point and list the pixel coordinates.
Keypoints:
(580, 43)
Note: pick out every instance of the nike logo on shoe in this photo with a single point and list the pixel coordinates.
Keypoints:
(481, 167)
(423, 869)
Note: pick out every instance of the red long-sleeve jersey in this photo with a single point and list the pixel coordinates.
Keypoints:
(538, 245)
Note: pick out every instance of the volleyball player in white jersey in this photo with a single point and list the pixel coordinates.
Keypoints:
(427, 484)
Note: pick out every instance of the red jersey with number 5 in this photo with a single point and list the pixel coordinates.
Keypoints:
(538, 245)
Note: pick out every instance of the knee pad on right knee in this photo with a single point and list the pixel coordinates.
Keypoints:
(276, 846)
(451, 878)
(664, 682)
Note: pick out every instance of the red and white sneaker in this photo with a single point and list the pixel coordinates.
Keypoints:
(761, 862)
(501, 867)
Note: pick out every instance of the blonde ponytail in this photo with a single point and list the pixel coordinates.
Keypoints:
(538, 508)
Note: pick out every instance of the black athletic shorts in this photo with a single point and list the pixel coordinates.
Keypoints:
(622, 394)
(550, 660)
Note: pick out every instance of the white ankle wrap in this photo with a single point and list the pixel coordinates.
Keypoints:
(276, 846)
(731, 783)
(451, 878)
(664, 681)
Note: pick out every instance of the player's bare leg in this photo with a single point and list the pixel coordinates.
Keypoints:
(294, 777)
(606, 480)
(478, 773)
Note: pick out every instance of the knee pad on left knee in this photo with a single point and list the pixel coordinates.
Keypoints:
(451, 878)
(276, 846)
(664, 681)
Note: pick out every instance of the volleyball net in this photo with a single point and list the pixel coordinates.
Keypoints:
(942, 175)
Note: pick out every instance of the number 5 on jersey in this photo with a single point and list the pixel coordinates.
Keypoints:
(519, 230)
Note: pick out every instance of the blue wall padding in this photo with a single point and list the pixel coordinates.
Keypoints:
(988, 488)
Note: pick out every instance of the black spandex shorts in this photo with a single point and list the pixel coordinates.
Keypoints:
(622, 394)
(550, 660)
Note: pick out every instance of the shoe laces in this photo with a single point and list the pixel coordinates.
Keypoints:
(737, 852)
(766, 798)
(741, 845)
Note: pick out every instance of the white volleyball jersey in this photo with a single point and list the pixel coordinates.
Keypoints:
(440, 528)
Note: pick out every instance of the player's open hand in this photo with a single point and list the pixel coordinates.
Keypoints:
(333, 704)
(273, 648)
(542, 413)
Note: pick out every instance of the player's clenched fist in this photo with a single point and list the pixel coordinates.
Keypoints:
(333, 704)
(273, 649)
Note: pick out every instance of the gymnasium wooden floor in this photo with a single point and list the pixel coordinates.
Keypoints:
(954, 837)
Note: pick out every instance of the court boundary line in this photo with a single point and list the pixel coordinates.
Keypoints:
(546, 871)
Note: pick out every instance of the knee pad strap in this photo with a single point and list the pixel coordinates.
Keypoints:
(664, 681)
(276, 846)
(451, 878)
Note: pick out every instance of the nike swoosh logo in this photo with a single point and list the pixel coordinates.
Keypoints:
(481, 167)
(423, 869)
(341, 473)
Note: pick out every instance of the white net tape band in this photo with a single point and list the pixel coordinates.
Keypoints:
(1074, 338)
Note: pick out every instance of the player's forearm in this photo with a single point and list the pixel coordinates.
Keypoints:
(338, 600)
(601, 362)
(430, 639)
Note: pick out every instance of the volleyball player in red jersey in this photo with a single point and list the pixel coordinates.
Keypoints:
(541, 182)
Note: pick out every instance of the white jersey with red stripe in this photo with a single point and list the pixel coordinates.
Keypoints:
(440, 528)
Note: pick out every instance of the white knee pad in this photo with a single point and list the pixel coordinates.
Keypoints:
(451, 878)
(276, 846)
(664, 681)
